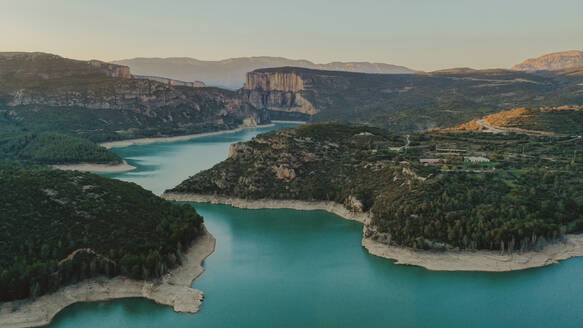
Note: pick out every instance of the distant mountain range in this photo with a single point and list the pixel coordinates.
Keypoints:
(105, 101)
(551, 62)
(230, 73)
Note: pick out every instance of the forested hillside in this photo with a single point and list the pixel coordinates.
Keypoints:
(432, 190)
(60, 227)
(51, 148)
(405, 102)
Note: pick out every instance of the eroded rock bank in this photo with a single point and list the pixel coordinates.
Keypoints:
(92, 167)
(487, 261)
(174, 290)
(330, 207)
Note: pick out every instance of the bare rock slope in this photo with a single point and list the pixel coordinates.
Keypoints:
(551, 62)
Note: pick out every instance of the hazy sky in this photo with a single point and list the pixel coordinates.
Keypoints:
(424, 35)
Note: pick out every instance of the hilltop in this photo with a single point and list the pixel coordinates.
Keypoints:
(551, 62)
(230, 73)
(44, 66)
(565, 120)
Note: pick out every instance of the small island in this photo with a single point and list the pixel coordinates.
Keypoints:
(444, 200)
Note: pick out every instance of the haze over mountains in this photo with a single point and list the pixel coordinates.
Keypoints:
(230, 73)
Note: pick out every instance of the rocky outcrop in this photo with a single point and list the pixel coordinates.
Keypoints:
(274, 81)
(172, 82)
(278, 91)
(131, 94)
(285, 173)
(111, 70)
(550, 62)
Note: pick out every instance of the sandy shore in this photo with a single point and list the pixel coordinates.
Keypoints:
(491, 261)
(145, 141)
(174, 290)
(91, 167)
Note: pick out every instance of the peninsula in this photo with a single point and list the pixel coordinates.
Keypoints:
(442, 200)
(72, 237)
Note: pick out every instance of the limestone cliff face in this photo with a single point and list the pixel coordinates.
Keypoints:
(550, 62)
(278, 91)
(274, 81)
(122, 94)
(171, 82)
(111, 70)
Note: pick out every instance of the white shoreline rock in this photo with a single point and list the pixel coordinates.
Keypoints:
(91, 167)
(174, 289)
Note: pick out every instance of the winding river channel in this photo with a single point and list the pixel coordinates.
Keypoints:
(286, 268)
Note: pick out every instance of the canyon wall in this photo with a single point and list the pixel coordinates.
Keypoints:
(278, 91)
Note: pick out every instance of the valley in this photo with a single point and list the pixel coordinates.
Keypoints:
(407, 157)
(291, 164)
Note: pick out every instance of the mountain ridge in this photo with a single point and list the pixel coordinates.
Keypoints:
(230, 73)
(552, 61)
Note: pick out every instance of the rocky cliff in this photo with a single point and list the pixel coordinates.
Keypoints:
(274, 81)
(278, 91)
(132, 94)
(172, 82)
(550, 62)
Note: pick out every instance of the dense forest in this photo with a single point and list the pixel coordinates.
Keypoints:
(52, 148)
(430, 190)
(59, 227)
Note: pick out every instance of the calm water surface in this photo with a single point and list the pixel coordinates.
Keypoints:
(285, 268)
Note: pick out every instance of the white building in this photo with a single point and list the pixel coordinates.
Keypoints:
(476, 159)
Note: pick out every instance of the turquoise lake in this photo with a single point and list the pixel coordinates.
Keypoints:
(285, 268)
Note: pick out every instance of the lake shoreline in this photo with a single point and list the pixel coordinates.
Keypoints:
(331, 207)
(147, 141)
(93, 167)
(483, 260)
(173, 289)
(289, 122)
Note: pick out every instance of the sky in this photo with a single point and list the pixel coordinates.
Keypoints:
(423, 35)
